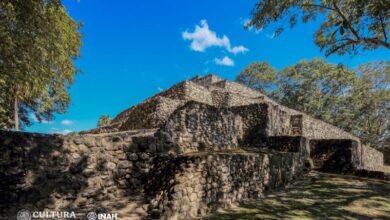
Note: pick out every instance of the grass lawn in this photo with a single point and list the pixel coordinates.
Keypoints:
(319, 196)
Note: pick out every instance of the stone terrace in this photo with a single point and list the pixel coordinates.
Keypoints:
(202, 144)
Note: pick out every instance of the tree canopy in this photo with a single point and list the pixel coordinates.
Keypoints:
(104, 120)
(39, 43)
(346, 25)
(357, 100)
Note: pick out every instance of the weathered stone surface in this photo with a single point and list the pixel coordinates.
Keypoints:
(200, 145)
(226, 185)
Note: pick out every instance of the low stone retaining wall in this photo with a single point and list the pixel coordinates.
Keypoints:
(200, 184)
(371, 159)
(63, 172)
(91, 172)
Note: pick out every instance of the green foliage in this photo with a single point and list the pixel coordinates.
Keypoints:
(357, 101)
(39, 42)
(370, 97)
(258, 72)
(347, 24)
(104, 120)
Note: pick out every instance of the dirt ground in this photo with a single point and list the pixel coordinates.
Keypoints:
(319, 196)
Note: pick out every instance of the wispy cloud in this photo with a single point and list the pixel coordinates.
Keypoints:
(66, 122)
(58, 131)
(271, 36)
(246, 21)
(35, 119)
(66, 131)
(160, 89)
(203, 38)
(225, 61)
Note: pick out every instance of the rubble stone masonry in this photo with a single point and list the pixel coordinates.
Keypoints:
(201, 144)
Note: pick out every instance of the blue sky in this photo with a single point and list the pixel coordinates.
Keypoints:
(133, 49)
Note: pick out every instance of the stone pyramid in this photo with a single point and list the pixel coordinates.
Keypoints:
(223, 94)
(200, 145)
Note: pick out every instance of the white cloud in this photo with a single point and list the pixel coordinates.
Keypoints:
(35, 119)
(66, 122)
(238, 49)
(225, 61)
(202, 38)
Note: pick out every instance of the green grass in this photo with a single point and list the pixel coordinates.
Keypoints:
(319, 196)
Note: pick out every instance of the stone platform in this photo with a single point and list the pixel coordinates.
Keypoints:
(202, 144)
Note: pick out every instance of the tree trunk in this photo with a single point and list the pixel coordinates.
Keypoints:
(16, 114)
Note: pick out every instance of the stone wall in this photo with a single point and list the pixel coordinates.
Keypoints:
(105, 172)
(188, 90)
(201, 127)
(202, 183)
(236, 88)
(64, 172)
(317, 129)
(148, 115)
(151, 114)
(207, 80)
(239, 100)
(279, 121)
(254, 124)
(371, 158)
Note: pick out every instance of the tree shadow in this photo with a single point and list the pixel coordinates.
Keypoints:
(36, 171)
(319, 197)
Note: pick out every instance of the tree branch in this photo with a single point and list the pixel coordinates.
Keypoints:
(341, 46)
(317, 6)
(376, 41)
(383, 27)
(354, 32)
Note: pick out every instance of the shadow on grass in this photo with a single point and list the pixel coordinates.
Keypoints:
(319, 196)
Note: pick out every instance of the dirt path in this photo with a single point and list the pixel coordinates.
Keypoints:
(319, 196)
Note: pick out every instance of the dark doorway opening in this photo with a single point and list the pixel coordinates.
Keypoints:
(333, 155)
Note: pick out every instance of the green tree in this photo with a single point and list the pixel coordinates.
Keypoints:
(370, 104)
(354, 100)
(104, 120)
(259, 75)
(39, 42)
(346, 27)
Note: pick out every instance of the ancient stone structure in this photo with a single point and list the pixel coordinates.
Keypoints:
(202, 144)
(386, 156)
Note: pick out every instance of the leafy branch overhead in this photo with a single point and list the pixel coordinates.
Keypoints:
(347, 25)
